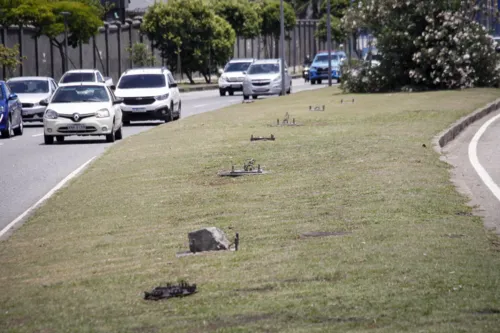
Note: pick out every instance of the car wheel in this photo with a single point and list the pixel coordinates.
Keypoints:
(126, 123)
(111, 137)
(48, 139)
(313, 81)
(222, 92)
(231, 93)
(339, 80)
(245, 97)
(319, 81)
(60, 138)
(170, 116)
(178, 111)
(20, 129)
(255, 96)
(7, 133)
(119, 134)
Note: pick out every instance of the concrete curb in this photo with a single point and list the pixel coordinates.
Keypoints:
(216, 86)
(460, 125)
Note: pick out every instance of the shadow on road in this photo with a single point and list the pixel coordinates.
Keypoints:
(144, 123)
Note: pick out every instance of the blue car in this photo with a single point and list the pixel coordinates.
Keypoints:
(11, 121)
(319, 67)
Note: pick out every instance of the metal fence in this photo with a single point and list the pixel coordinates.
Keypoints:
(107, 51)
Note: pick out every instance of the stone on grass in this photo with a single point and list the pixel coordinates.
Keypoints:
(208, 239)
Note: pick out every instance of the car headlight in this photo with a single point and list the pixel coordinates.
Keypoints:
(277, 79)
(102, 113)
(312, 69)
(162, 97)
(223, 78)
(1, 108)
(51, 114)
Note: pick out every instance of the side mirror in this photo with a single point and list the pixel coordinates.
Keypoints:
(244, 73)
(118, 101)
(113, 87)
(221, 71)
(12, 97)
(44, 102)
(173, 85)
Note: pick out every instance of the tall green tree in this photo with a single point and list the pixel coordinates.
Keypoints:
(45, 16)
(189, 29)
(270, 13)
(9, 58)
(338, 9)
(241, 15)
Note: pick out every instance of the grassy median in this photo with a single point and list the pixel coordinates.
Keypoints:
(409, 256)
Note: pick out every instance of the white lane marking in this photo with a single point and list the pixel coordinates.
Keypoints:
(45, 197)
(200, 105)
(40, 134)
(483, 174)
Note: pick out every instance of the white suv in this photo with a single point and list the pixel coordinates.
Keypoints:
(232, 76)
(148, 94)
(84, 75)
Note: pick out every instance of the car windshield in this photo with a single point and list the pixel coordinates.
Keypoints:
(264, 69)
(237, 66)
(324, 58)
(78, 77)
(80, 94)
(29, 86)
(142, 81)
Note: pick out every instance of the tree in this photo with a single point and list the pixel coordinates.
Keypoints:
(241, 15)
(338, 9)
(270, 12)
(140, 55)
(191, 29)
(9, 58)
(307, 9)
(423, 45)
(45, 16)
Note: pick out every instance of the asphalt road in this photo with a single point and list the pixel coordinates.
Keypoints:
(475, 154)
(29, 169)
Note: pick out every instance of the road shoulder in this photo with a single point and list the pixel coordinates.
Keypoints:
(466, 179)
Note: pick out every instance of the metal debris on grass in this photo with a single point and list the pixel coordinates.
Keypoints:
(248, 169)
(169, 291)
(262, 138)
(316, 108)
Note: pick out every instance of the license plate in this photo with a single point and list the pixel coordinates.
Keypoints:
(139, 109)
(79, 127)
(236, 86)
(261, 89)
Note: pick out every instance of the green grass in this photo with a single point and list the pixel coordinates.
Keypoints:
(83, 261)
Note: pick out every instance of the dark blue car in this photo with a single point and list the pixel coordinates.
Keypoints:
(11, 121)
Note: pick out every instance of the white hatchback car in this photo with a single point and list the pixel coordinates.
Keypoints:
(82, 109)
(232, 76)
(263, 77)
(149, 94)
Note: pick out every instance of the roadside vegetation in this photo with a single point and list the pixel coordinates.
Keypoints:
(423, 45)
(410, 257)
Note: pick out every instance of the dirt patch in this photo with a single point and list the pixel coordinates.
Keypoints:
(487, 311)
(256, 289)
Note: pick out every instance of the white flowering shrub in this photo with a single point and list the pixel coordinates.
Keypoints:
(362, 78)
(424, 45)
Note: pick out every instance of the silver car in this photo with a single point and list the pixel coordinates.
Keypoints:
(263, 77)
(31, 90)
